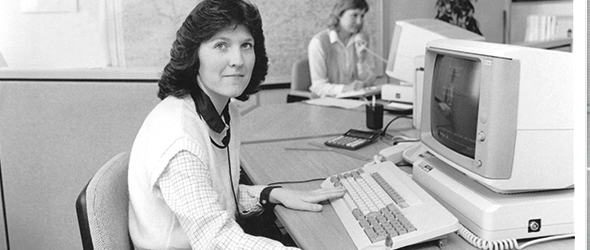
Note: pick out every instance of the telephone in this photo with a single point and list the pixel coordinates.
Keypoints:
(408, 151)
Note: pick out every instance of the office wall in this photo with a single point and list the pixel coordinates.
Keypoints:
(288, 26)
(101, 32)
(50, 38)
(138, 33)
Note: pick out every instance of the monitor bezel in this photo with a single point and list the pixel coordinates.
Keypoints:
(497, 116)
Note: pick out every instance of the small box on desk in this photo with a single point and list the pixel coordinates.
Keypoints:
(398, 93)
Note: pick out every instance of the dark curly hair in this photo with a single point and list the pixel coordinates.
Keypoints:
(205, 20)
(343, 5)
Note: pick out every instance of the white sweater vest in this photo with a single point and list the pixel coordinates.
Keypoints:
(172, 126)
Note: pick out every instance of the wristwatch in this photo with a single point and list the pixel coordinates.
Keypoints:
(264, 196)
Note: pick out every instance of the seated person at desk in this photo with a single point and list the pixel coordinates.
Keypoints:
(184, 166)
(338, 60)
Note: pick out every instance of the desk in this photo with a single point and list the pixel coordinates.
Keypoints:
(265, 160)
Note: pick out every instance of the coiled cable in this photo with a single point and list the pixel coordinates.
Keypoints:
(506, 244)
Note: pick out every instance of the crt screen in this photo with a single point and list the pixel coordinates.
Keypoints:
(454, 104)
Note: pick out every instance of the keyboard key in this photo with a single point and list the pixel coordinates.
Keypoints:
(372, 203)
(364, 223)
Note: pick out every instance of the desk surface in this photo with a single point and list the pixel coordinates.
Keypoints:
(299, 121)
(265, 160)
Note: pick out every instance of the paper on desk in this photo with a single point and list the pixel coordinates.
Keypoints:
(336, 102)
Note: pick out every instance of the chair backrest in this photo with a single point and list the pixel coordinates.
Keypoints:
(300, 76)
(300, 82)
(103, 206)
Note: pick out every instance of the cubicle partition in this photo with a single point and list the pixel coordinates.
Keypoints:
(56, 129)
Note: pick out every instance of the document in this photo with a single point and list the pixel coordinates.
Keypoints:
(337, 102)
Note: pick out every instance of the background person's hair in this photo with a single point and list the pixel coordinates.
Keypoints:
(205, 20)
(344, 5)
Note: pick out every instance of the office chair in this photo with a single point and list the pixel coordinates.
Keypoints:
(102, 207)
(300, 82)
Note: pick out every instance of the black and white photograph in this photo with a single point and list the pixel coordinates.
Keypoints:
(294, 124)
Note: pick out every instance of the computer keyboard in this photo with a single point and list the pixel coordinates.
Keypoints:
(383, 200)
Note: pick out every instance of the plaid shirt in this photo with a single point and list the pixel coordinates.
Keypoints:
(186, 186)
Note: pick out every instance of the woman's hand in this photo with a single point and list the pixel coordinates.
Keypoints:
(304, 200)
(356, 85)
(361, 44)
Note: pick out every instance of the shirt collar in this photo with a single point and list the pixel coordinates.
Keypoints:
(207, 110)
(335, 39)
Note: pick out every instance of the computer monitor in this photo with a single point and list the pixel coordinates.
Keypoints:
(408, 45)
(500, 114)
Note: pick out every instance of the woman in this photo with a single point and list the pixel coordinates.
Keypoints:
(338, 59)
(184, 165)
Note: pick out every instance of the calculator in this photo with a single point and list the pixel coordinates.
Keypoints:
(353, 139)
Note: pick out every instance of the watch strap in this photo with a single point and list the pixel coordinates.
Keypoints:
(265, 196)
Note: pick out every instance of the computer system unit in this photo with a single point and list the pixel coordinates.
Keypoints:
(497, 137)
(494, 216)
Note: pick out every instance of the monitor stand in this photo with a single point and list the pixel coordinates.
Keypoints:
(494, 216)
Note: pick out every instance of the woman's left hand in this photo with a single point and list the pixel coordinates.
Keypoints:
(306, 200)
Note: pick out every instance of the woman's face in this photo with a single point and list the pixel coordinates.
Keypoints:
(226, 62)
(351, 20)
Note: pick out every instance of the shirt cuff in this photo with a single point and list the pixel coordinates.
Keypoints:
(249, 199)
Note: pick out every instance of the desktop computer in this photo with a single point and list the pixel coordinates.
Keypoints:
(495, 152)
(408, 44)
(409, 40)
(495, 216)
(497, 138)
(406, 53)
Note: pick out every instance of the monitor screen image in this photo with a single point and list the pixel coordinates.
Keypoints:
(455, 103)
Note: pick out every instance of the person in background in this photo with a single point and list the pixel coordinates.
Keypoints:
(184, 165)
(338, 60)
